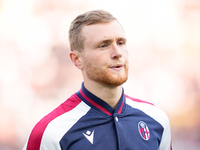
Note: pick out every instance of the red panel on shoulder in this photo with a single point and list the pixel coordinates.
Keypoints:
(37, 132)
(138, 100)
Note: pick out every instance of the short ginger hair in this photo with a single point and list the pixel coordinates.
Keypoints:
(76, 39)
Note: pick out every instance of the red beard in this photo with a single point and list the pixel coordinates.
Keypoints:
(106, 77)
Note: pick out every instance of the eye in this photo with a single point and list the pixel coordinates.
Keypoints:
(103, 46)
(121, 42)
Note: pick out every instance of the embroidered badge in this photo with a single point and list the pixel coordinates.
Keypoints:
(143, 130)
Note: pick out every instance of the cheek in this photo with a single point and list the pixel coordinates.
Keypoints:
(126, 55)
(90, 63)
(97, 60)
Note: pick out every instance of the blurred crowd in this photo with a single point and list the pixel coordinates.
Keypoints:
(36, 74)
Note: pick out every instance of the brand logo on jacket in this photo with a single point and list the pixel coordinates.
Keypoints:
(89, 135)
(143, 130)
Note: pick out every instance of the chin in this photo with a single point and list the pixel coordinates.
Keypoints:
(113, 81)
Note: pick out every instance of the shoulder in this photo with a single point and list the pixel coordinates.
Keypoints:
(149, 109)
(137, 100)
(51, 127)
(62, 109)
(157, 114)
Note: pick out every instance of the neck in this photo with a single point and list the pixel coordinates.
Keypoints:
(110, 95)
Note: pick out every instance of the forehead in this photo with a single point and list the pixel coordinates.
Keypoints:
(102, 31)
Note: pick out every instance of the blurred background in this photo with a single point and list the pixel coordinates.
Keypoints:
(36, 74)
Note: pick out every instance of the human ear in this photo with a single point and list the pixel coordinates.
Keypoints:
(76, 59)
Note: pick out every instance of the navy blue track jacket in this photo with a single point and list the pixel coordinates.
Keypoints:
(85, 122)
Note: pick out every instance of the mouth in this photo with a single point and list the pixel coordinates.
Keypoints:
(117, 67)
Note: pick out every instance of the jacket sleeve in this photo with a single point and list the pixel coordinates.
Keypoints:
(37, 140)
(166, 137)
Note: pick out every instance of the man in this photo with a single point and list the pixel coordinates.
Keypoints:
(100, 116)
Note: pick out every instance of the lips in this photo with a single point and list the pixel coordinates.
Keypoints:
(117, 67)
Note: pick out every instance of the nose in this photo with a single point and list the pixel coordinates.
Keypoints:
(116, 52)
